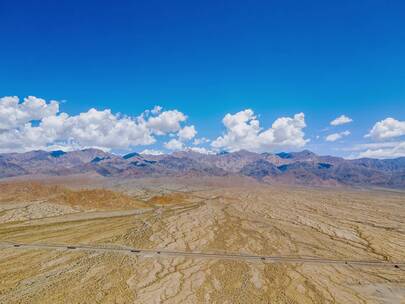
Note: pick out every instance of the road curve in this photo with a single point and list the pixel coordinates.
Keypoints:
(232, 256)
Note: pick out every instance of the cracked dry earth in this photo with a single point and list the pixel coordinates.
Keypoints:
(254, 219)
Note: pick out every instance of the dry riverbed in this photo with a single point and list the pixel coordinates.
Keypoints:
(215, 218)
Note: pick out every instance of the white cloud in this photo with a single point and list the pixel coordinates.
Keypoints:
(174, 144)
(156, 110)
(104, 129)
(387, 128)
(199, 141)
(243, 131)
(335, 136)
(14, 114)
(94, 128)
(385, 150)
(187, 133)
(389, 149)
(201, 150)
(166, 122)
(373, 146)
(382, 132)
(151, 152)
(342, 119)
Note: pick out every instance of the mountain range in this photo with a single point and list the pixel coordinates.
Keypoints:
(300, 168)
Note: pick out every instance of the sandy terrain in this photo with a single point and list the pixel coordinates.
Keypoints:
(210, 217)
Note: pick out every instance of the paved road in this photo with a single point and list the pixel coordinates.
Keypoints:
(240, 257)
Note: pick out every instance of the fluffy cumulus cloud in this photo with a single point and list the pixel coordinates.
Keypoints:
(201, 150)
(35, 124)
(174, 144)
(380, 150)
(387, 128)
(187, 133)
(200, 141)
(243, 131)
(166, 122)
(385, 135)
(14, 113)
(151, 152)
(341, 120)
(156, 110)
(183, 135)
(335, 136)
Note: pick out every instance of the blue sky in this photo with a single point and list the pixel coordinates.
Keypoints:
(210, 58)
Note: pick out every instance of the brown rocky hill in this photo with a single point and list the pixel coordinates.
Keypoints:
(303, 168)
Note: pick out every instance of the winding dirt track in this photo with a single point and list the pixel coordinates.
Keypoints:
(239, 257)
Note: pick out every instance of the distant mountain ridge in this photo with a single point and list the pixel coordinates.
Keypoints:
(301, 168)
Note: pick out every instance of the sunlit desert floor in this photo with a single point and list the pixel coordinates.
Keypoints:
(220, 217)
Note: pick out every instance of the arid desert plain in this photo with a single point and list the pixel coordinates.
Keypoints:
(198, 240)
